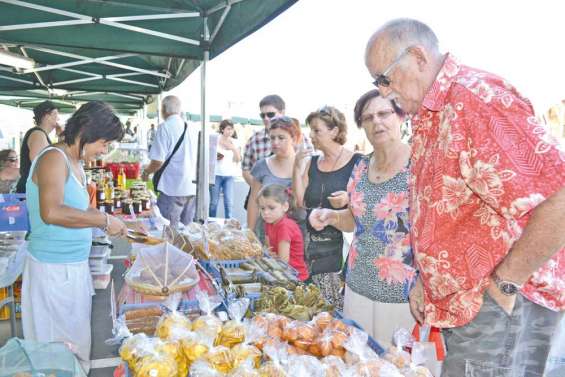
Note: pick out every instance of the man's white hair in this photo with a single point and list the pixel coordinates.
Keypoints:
(405, 32)
(171, 105)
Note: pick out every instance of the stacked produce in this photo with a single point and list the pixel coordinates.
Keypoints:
(228, 242)
(302, 303)
(251, 276)
(267, 345)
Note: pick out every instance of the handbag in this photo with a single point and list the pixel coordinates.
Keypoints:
(325, 251)
(157, 175)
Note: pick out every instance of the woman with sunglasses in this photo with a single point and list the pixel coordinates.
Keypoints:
(9, 171)
(320, 182)
(284, 136)
(380, 264)
(57, 286)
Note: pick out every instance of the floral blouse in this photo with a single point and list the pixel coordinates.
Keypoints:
(380, 258)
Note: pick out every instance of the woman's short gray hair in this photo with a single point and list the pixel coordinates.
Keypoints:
(171, 105)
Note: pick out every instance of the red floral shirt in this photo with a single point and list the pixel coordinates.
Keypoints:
(480, 164)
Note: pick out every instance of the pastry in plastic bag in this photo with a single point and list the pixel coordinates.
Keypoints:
(202, 368)
(334, 366)
(244, 352)
(162, 270)
(245, 369)
(278, 355)
(195, 347)
(170, 322)
(208, 325)
(233, 331)
(156, 366)
(220, 358)
(130, 350)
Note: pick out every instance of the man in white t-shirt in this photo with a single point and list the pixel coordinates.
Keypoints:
(177, 190)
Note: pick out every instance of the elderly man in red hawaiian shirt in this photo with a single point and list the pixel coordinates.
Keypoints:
(487, 206)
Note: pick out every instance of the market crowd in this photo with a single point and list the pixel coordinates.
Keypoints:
(460, 228)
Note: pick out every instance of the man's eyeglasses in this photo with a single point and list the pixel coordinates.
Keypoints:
(380, 115)
(270, 115)
(12, 159)
(383, 79)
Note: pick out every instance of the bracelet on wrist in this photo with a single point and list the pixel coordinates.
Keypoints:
(106, 224)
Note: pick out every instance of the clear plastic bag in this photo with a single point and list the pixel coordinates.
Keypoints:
(161, 270)
(233, 331)
(208, 324)
(305, 366)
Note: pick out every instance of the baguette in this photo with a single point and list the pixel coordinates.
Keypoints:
(143, 313)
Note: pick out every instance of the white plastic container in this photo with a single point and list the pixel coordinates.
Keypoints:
(102, 279)
(98, 262)
(99, 251)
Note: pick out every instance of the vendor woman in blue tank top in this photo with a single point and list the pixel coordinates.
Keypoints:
(57, 286)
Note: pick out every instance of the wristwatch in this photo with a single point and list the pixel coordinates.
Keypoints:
(507, 288)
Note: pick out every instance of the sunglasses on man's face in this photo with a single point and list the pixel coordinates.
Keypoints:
(270, 115)
(12, 159)
(383, 80)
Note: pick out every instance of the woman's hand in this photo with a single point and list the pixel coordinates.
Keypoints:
(416, 300)
(338, 199)
(321, 218)
(116, 227)
(301, 158)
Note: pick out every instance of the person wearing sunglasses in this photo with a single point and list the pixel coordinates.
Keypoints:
(259, 144)
(487, 206)
(380, 264)
(9, 170)
(320, 181)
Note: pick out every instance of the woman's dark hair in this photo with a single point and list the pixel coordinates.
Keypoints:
(290, 125)
(227, 123)
(44, 108)
(4, 155)
(279, 194)
(362, 103)
(93, 121)
(333, 118)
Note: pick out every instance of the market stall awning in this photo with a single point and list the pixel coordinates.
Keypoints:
(136, 46)
(62, 105)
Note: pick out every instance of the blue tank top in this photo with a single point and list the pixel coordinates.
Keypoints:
(50, 243)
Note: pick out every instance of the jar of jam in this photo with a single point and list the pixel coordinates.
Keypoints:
(127, 207)
(137, 206)
(117, 202)
(109, 205)
(145, 203)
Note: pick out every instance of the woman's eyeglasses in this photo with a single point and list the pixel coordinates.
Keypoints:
(12, 159)
(380, 115)
(270, 115)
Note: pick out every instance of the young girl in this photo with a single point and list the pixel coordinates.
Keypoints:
(283, 235)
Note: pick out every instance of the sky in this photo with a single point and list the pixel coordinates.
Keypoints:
(313, 54)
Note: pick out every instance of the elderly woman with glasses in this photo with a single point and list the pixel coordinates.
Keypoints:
(380, 267)
(9, 170)
(284, 135)
(320, 182)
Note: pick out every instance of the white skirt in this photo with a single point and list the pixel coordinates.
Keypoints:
(378, 319)
(57, 305)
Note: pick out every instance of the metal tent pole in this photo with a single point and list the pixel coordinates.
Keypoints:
(203, 191)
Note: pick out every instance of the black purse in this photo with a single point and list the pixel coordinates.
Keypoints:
(157, 175)
(325, 251)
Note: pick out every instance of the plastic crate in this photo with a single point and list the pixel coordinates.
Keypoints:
(210, 266)
(372, 343)
(99, 262)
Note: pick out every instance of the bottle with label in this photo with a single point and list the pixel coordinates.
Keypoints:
(122, 179)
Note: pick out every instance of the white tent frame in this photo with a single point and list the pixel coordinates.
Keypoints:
(118, 22)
